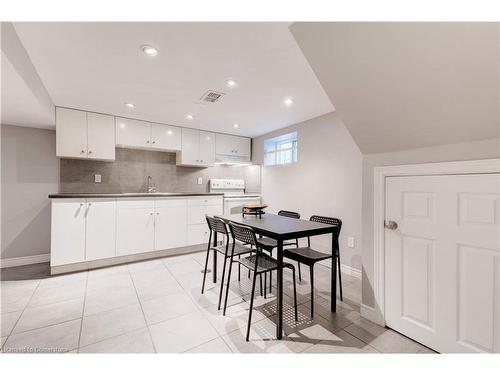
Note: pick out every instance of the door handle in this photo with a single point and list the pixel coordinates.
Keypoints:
(390, 224)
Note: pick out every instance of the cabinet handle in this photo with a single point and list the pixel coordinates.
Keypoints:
(201, 161)
(147, 141)
(154, 142)
(90, 151)
(81, 204)
(82, 152)
(151, 213)
(157, 213)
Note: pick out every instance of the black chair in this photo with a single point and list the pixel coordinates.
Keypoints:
(310, 256)
(260, 263)
(269, 244)
(218, 225)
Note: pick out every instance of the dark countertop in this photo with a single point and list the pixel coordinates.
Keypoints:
(129, 195)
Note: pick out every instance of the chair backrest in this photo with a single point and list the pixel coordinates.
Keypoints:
(217, 225)
(337, 223)
(293, 215)
(243, 233)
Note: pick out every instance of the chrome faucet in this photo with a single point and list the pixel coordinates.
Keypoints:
(150, 187)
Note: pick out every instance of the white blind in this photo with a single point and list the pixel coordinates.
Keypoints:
(281, 150)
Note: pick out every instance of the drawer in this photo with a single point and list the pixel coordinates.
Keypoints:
(205, 201)
(196, 214)
(170, 202)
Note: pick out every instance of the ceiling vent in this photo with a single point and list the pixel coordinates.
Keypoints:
(211, 96)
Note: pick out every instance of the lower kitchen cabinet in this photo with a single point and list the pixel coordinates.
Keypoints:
(134, 226)
(170, 224)
(67, 243)
(198, 234)
(100, 239)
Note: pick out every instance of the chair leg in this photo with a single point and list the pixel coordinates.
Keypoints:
(205, 271)
(270, 281)
(265, 285)
(295, 295)
(227, 285)
(311, 271)
(239, 269)
(251, 305)
(214, 271)
(222, 282)
(300, 273)
(261, 290)
(340, 275)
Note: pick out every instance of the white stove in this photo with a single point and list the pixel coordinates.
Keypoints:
(234, 194)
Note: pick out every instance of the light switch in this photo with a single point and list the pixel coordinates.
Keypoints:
(97, 178)
(350, 241)
(199, 181)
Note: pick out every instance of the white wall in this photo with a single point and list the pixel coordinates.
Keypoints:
(326, 180)
(487, 149)
(30, 171)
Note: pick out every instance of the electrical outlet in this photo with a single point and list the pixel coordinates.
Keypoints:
(199, 181)
(350, 241)
(97, 178)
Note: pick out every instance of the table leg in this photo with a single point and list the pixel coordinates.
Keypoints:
(333, 295)
(214, 270)
(279, 326)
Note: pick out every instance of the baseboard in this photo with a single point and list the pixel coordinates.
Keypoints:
(23, 261)
(354, 272)
(372, 315)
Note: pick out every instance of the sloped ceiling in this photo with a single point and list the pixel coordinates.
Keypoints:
(400, 86)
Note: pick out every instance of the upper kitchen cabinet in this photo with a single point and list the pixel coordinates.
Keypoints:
(133, 133)
(84, 135)
(232, 148)
(198, 148)
(165, 137)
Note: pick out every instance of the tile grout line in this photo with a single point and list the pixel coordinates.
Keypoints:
(20, 315)
(83, 313)
(142, 310)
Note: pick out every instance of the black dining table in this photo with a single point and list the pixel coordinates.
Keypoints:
(281, 229)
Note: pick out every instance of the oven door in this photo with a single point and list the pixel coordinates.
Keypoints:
(235, 205)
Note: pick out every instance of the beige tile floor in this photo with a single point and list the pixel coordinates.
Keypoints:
(156, 306)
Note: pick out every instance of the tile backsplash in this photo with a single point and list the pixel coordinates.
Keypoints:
(128, 173)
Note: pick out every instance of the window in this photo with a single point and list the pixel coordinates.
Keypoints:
(281, 150)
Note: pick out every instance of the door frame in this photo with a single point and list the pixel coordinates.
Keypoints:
(486, 166)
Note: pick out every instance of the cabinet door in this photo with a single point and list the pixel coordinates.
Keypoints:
(67, 243)
(198, 234)
(134, 226)
(224, 144)
(101, 136)
(133, 133)
(242, 146)
(165, 137)
(71, 133)
(100, 240)
(207, 148)
(170, 223)
(190, 147)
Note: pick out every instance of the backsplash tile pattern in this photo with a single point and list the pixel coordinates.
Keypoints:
(128, 173)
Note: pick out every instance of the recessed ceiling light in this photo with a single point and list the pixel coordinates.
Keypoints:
(236, 126)
(149, 50)
(288, 102)
(190, 117)
(130, 105)
(231, 83)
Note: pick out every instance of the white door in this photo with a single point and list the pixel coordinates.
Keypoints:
(442, 263)
(133, 133)
(134, 226)
(242, 146)
(101, 136)
(71, 133)
(207, 148)
(170, 223)
(165, 137)
(100, 240)
(190, 147)
(67, 243)
(224, 144)
(198, 234)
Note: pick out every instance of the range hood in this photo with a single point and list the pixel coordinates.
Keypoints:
(222, 159)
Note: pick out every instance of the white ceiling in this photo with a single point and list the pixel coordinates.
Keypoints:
(400, 86)
(99, 66)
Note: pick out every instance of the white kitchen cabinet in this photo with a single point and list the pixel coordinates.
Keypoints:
(198, 234)
(134, 226)
(67, 244)
(170, 223)
(100, 136)
(100, 239)
(84, 135)
(197, 225)
(230, 145)
(133, 133)
(71, 133)
(165, 137)
(198, 148)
